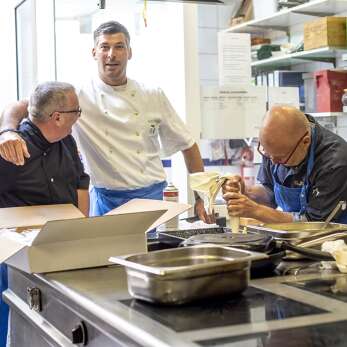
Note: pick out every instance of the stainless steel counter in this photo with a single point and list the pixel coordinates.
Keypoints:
(270, 313)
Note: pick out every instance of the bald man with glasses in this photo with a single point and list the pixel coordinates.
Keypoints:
(303, 174)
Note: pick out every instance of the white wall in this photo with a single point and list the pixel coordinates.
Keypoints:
(8, 87)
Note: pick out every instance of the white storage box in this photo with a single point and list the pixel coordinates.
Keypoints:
(65, 239)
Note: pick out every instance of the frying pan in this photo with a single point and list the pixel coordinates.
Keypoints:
(275, 249)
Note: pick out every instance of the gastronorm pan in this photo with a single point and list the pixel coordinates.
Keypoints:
(180, 275)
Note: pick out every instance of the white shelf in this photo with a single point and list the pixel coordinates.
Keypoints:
(284, 19)
(300, 57)
(327, 114)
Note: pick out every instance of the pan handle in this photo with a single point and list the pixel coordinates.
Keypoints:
(308, 252)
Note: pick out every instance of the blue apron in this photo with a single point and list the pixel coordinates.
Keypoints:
(104, 200)
(3, 306)
(295, 199)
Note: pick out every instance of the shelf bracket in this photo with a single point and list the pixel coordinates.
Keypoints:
(314, 14)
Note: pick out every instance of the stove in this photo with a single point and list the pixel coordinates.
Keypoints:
(322, 335)
(335, 288)
(252, 306)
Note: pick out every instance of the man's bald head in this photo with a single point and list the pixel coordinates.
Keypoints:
(283, 124)
(285, 135)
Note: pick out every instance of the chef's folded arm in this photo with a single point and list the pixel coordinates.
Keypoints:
(12, 147)
(194, 163)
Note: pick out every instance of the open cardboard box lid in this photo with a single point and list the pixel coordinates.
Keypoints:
(68, 240)
(142, 205)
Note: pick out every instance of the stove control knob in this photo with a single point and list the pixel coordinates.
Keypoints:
(79, 335)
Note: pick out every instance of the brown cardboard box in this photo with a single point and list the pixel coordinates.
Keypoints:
(323, 32)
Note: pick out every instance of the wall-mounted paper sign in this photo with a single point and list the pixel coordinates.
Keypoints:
(288, 96)
(232, 113)
(234, 58)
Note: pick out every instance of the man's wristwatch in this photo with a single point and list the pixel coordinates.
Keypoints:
(7, 130)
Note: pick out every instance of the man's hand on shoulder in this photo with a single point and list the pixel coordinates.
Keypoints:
(13, 148)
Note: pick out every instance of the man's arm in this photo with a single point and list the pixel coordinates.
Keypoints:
(83, 201)
(260, 194)
(194, 163)
(240, 205)
(12, 147)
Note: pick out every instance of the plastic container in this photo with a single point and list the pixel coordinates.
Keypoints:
(310, 92)
(344, 100)
(171, 193)
(330, 86)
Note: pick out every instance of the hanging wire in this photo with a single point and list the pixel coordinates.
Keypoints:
(144, 12)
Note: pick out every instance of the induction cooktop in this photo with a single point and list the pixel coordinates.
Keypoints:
(252, 306)
(321, 335)
(335, 287)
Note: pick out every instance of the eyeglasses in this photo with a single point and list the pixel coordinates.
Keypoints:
(285, 161)
(77, 111)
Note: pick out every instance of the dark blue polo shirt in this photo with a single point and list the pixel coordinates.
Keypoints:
(328, 179)
(51, 175)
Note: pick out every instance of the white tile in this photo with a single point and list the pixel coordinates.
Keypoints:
(224, 16)
(208, 42)
(208, 66)
(208, 16)
(213, 82)
(341, 121)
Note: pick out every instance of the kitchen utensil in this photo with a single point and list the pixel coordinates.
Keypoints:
(341, 205)
(296, 231)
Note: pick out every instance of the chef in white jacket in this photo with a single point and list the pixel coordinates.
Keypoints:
(123, 129)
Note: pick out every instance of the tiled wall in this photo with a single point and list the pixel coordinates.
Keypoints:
(211, 19)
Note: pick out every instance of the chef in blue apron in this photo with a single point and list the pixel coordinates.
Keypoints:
(303, 174)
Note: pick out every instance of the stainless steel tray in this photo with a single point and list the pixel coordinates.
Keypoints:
(180, 275)
(297, 231)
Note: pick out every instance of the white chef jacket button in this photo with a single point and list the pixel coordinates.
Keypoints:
(138, 151)
(52, 179)
(110, 150)
(137, 133)
(133, 94)
(136, 113)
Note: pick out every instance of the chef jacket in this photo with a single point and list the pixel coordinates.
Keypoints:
(51, 175)
(124, 130)
(328, 179)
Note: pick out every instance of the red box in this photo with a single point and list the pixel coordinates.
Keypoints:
(330, 85)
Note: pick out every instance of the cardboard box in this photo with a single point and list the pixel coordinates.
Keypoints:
(323, 32)
(66, 240)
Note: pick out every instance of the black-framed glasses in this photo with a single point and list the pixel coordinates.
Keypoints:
(285, 161)
(78, 111)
